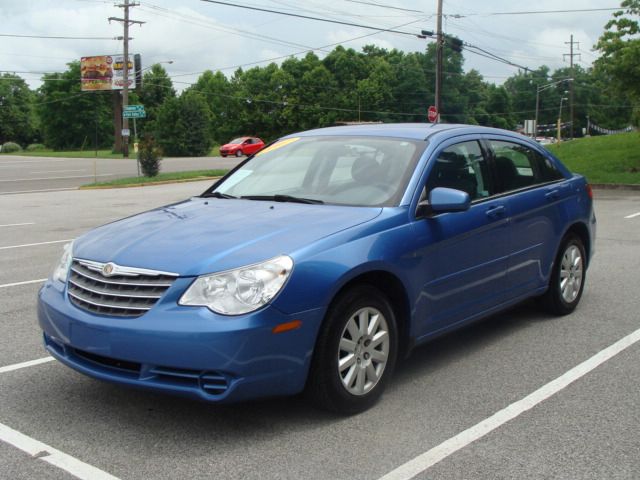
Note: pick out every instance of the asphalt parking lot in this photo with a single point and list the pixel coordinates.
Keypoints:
(499, 399)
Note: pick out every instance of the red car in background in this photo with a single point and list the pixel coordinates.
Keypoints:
(241, 146)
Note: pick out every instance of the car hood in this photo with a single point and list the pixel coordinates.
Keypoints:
(200, 236)
(230, 145)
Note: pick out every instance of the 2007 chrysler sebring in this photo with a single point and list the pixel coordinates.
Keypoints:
(319, 261)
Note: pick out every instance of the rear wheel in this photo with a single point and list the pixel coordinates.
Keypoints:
(355, 353)
(567, 279)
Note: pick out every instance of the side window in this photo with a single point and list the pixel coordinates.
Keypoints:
(463, 167)
(517, 166)
(548, 170)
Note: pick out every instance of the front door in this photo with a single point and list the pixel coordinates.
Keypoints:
(463, 255)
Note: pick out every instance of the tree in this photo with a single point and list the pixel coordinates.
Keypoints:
(156, 88)
(183, 126)
(17, 121)
(218, 92)
(620, 47)
(70, 118)
(499, 108)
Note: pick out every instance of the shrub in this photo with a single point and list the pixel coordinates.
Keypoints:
(149, 156)
(10, 147)
(34, 147)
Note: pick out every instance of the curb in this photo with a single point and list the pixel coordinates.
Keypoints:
(616, 186)
(148, 184)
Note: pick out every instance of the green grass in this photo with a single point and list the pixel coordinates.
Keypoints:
(160, 178)
(70, 154)
(603, 159)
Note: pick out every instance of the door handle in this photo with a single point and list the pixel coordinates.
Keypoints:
(497, 211)
(552, 194)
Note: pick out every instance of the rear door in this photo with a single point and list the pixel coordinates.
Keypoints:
(535, 191)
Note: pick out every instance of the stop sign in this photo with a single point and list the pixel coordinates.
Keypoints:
(432, 114)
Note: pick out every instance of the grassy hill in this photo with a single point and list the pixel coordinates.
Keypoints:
(603, 159)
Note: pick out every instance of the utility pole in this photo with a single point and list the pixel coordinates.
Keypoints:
(125, 69)
(439, 46)
(571, 55)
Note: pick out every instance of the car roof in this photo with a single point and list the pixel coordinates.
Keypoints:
(415, 131)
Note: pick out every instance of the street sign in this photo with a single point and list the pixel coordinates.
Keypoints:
(134, 114)
(432, 114)
(134, 108)
(126, 132)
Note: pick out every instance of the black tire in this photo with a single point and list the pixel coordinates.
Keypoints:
(570, 264)
(224, 155)
(327, 386)
(238, 153)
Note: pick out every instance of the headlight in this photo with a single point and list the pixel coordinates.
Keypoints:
(242, 290)
(61, 272)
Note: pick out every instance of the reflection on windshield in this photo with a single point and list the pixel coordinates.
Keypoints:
(365, 171)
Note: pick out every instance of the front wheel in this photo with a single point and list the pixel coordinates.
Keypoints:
(355, 353)
(567, 279)
(238, 153)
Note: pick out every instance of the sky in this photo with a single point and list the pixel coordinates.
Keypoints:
(196, 35)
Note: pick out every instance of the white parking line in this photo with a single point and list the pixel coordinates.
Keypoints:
(44, 452)
(16, 224)
(33, 244)
(633, 215)
(422, 462)
(27, 282)
(30, 363)
(58, 178)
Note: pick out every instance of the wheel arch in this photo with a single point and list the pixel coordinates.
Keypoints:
(582, 232)
(391, 286)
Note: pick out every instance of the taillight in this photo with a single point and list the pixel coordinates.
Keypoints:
(589, 191)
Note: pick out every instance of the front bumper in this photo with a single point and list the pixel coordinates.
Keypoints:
(187, 351)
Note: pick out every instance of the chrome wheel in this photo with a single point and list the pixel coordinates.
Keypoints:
(571, 273)
(364, 351)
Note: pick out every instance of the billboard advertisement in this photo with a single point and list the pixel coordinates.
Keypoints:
(105, 72)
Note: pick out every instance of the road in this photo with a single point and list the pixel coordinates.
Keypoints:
(20, 174)
(452, 388)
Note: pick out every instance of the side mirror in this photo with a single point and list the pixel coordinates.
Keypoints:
(442, 200)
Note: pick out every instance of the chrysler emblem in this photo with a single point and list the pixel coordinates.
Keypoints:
(108, 269)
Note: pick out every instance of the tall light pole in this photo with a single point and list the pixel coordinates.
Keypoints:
(542, 88)
(560, 118)
(439, 47)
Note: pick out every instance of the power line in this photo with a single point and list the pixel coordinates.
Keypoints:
(536, 12)
(384, 6)
(57, 37)
(306, 17)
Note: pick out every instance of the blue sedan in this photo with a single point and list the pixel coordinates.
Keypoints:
(320, 261)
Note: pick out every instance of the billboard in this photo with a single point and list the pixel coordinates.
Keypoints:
(105, 72)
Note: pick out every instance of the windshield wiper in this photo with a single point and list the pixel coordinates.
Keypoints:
(282, 198)
(217, 195)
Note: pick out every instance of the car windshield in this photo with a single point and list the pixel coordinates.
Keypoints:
(362, 171)
(236, 141)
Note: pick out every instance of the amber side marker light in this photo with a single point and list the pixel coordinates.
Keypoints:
(285, 327)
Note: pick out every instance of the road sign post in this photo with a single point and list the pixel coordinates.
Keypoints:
(134, 111)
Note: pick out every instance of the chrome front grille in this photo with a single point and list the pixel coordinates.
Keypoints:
(111, 289)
